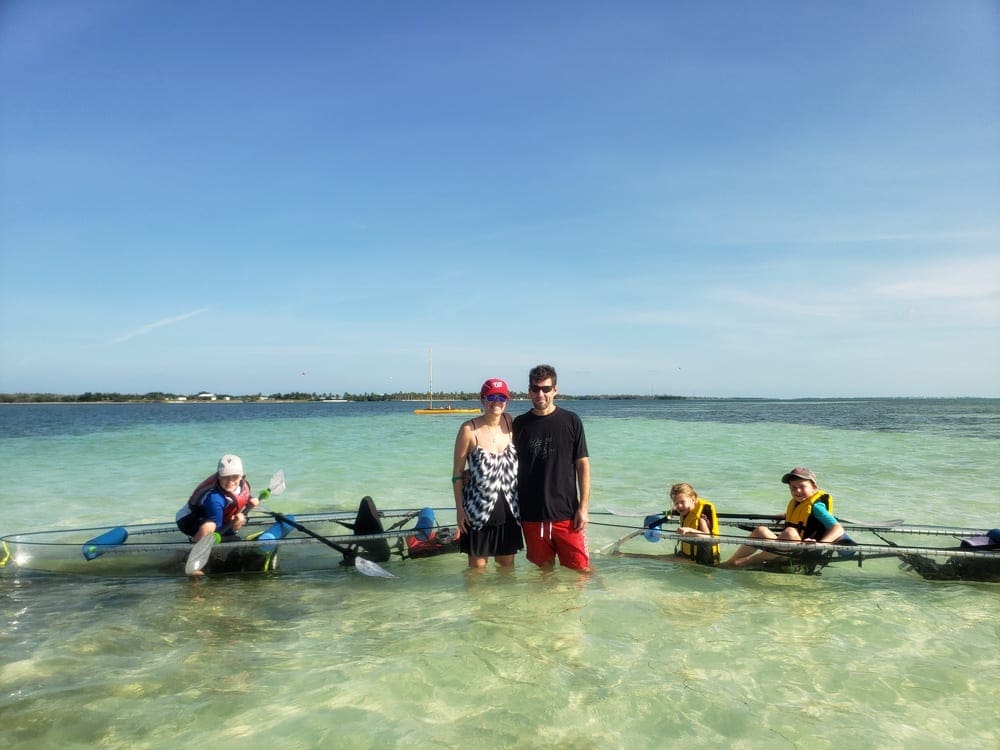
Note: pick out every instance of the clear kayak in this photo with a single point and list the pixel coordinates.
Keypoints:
(933, 552)
(266, 543)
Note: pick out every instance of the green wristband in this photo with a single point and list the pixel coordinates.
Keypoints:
(459, 478)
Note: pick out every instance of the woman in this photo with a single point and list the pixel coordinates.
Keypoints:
(489, 520)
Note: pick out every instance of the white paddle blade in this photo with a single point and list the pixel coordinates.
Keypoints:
(368, 568)
(277, 483)
(276, 486)
(199, 554)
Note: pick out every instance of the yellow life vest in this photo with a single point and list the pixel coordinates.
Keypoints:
(799, 514)
(702, 553)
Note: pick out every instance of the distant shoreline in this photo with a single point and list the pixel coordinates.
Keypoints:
(213, 398)
(56, 399)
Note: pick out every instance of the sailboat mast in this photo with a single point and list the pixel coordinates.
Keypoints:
(449, 409)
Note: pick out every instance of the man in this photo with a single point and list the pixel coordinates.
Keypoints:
(808, 518)
(553, 478)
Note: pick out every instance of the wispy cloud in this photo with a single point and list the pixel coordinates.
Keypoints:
(983, 234)
(158, 324)
(650, 317)
(977, 278)
(776, 303)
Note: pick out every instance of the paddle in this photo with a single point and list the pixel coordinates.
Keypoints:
(202, 549)
(750, 520)
(367, 567)
(647, 530)
(751, 517)
(200, 553)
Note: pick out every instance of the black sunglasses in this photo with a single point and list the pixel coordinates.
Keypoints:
(541, 388)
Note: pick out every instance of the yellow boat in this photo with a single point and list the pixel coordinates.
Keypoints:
(431, 409)
(446, 410)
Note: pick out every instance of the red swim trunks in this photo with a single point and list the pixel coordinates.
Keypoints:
(545, 540)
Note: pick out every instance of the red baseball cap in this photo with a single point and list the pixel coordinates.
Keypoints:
(494, 386)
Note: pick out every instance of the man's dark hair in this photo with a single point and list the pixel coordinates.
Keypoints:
(541, 372)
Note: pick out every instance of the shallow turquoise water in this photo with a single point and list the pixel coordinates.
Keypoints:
(640, 654)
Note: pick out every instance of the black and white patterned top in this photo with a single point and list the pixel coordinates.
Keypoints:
(494, 476)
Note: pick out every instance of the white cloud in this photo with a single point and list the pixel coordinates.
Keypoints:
(977, 278)
(651, 317)
(777, 304)
(158, 324)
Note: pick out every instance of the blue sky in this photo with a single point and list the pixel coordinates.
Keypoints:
(713, 198)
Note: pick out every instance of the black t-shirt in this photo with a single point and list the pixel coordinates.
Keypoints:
(547, 450)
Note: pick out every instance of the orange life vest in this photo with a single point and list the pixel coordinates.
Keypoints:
(234, 502)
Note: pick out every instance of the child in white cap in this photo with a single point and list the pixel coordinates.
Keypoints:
(217, 504)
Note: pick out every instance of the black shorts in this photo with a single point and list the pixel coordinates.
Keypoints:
(500, 536)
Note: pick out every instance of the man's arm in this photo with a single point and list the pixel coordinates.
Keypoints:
(583, 485)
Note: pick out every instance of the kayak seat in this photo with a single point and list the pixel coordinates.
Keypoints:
(368, 521)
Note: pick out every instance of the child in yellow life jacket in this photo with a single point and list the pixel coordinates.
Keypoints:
(808, 518)
(698, 518)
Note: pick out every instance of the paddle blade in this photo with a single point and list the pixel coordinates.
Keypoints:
(199, 554)
(653, 532)
(275, 487)
(277, 483)
(368, 568)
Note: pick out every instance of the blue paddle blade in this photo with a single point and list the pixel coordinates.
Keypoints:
(655, 534)
(97, 546)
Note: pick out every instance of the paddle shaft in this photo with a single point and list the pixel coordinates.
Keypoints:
(894, 526)
(362, 565)
(308, 532)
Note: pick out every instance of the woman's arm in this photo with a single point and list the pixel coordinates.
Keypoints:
(463, 445)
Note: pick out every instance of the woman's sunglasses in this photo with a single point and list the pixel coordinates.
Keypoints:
(497, 397)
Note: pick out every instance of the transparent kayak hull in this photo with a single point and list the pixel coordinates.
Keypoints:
(162, 550)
